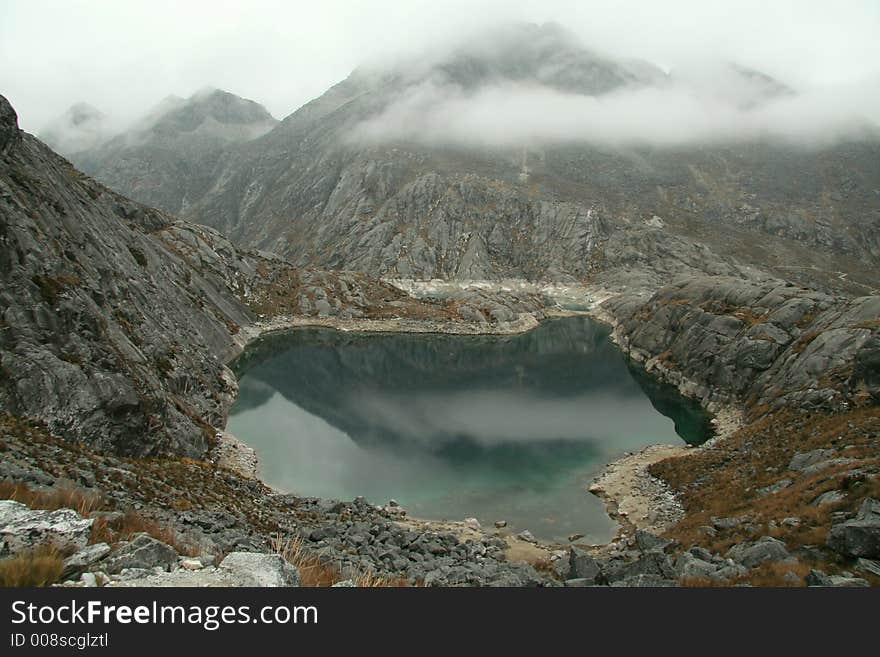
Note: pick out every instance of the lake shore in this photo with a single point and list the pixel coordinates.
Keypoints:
(631, 495)
(638, 500)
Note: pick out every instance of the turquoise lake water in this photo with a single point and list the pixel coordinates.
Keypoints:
(498, 428)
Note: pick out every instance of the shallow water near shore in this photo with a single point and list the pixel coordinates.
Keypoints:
(498, 428)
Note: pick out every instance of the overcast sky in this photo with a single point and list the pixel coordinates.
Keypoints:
(123, 57)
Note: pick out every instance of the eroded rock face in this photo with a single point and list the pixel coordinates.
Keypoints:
(765, 550)
(109, 332)
(142, 551)
(238, 569)
(251, 569)
(116, 319)
(25, 530)
(725, 340)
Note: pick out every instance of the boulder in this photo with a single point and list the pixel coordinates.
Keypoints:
(687, 566)
(859, 537)
(472, 523)
(23, 529)
(83, 560)
(765, 550)
(527, 536)
(644, 581)
(722, 524)
(829, 497)
(578, 582)
(582, 566)
(238, 569)
(257, 569)
(868, 566)
(782, 484)
(803, 460)
(143, 551)
(648, 541)
(818, 578)
(655, 564)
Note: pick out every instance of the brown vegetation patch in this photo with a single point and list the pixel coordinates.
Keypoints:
(42, 567)
(64, 495)
(725, 481)
(132, 522)
(314, 572)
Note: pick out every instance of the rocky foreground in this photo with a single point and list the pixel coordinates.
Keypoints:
(188, 523)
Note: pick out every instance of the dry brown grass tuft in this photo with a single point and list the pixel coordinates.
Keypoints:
(41, 567)
(768, 574)
(312, 571)
(776, 574)
(131, 523)
(316, 573)
(64, 495)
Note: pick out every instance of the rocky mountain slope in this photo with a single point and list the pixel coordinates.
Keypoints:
(770, 345)
(319, 192)
(116, 319)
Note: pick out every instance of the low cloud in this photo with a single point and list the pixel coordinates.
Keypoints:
(687, 109)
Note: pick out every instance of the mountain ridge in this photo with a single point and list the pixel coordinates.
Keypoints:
(309, 191)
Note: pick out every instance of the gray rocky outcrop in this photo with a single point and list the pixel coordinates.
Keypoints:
(238, 569)
(25, 530)
(818, 578)
(141, 552)
(730, 341)
(764, 550)
(860, 536)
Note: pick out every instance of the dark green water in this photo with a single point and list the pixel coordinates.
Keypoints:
(451, 427)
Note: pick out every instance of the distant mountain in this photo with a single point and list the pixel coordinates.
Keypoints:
(166, 159)
(359, 179)
(82, 127)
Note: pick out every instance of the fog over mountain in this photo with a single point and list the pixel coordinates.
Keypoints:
(283, 54)
(531, 85)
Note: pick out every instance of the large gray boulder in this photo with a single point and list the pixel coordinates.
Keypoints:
(803, 460)
(258, 569)
(647, 542)
(82, 560)
(765, 550)
(23, 529)
(818, 578)
(859, 537)
(654, 564)
(687, 566)
(238, 569)
(143, 551)
(583, 566)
